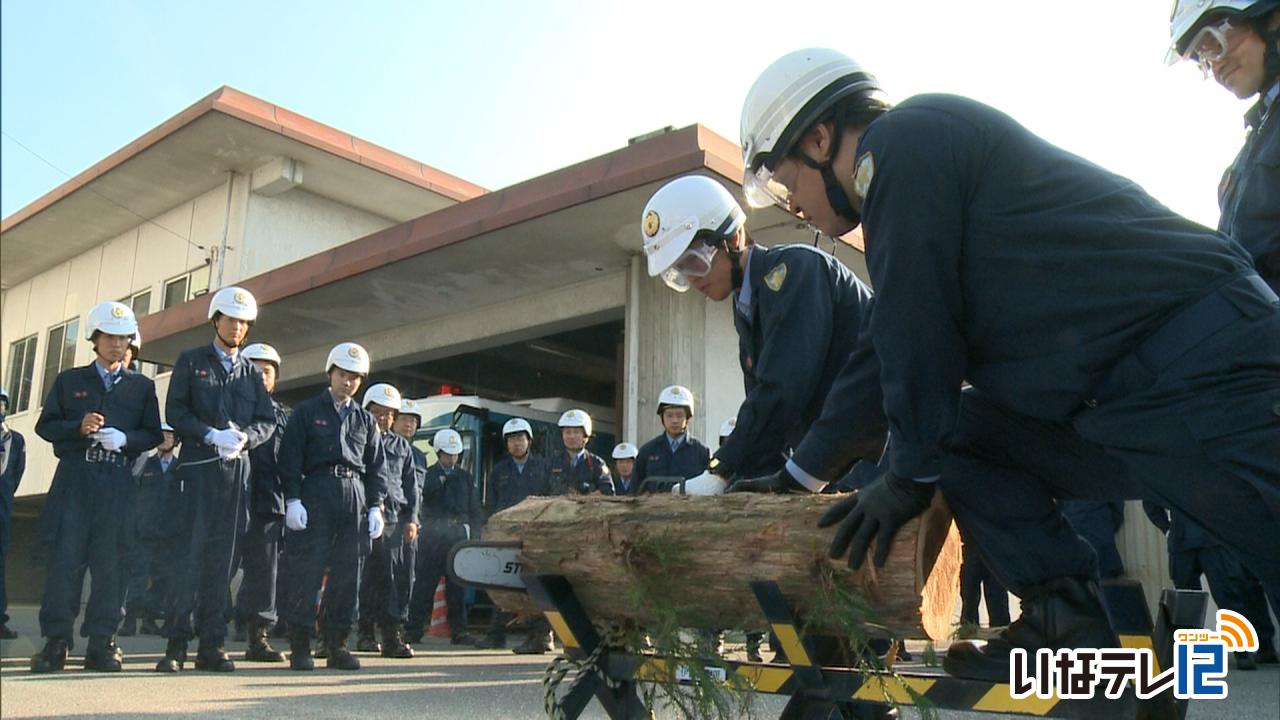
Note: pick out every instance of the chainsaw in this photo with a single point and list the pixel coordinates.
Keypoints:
(486, 565)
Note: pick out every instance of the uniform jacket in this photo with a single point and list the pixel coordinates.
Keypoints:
(13, 463)
(591, 473)
(449, 495)
(404, 478)
(267, 496)
(203, 397)
(655, 459)
(801, 373)
(968, 218)
(316, 439)
(508, 486)
(150, 501)
(1249, 194)
(131, 407)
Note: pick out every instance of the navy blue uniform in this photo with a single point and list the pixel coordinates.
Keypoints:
(509, 484)
(1098, 521)
(84, 515)
(1193, 552)
(805, 371)
(13, 463)
(1114, 348)
(260, 555)
(590, 472)
(655, 459)
(387, 585)
(144, 596)
(213, 508)
(449, 506)
(333, 465)
(1249, 194)
(977, 581)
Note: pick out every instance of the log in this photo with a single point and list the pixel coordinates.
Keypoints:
(634, 561)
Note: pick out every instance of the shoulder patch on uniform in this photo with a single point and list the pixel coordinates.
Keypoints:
(776, 277)
(862, 175)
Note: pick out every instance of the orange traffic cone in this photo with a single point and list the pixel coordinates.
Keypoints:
(439, 614)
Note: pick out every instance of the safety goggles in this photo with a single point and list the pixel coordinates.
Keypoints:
(1209, 45)
(692, 264)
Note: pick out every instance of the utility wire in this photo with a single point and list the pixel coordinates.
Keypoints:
(145, 219)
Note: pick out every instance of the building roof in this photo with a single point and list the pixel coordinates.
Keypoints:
(189, 154)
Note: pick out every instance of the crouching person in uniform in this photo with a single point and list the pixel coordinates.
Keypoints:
(450, 509)
(219, 405)
(98, 418)
(331, 467)
(260, 556)
(387, 582)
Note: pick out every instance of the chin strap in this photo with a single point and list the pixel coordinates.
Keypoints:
(835, 193)
(735, 267)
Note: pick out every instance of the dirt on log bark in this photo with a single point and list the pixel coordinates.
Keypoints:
(630, 559)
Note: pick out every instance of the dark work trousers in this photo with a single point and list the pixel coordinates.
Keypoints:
(977, 580)
(212, 514)
(387, 585)
(4, 553)
(438, 536)
(260, 560)
(337, 538)
(143, 594)
(1232, 587)
(84, 532)
(1197, 433)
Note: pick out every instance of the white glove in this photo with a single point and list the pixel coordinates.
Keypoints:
(295, 516)
(704, 484)
(109, 438)
(375, 523)
(467, 527)
(228, 441)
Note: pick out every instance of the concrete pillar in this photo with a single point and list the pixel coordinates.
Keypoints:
(677, 339)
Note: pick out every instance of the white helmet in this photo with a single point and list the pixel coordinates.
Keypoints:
(576, 418)
(384, 395)
(112, 318)
(1187, 16)
(792, 94)
(726, 427)
(350, 357)
(517, 425)
(4, 394)
(409, 407)
(447, 441)
(676, 214)
(625, 451)
(677, 396)
(235, 302)
(262, 351)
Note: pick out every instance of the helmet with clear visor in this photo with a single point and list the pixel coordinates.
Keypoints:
(790, 96)
(683, 224)
(1198, 28)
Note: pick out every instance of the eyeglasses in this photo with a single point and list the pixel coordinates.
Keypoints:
(766, 186)
(1209, 45)
(693, 264)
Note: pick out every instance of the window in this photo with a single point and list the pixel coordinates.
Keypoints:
(184, 287)
(140, 303)
(22, 367)
(60, 351)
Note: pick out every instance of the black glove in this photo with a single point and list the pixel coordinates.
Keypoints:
(877, 510)
(779, 482)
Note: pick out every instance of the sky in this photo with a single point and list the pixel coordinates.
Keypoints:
(498, 92)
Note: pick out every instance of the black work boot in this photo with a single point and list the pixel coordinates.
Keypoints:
(753, 647)
(260, 649)
(238, 631)
(6, 633)
(175, 656)
(1266, 655)
(103, 655)
(536, 643)
(339, 657)
(462, 637)
(1065, 612)
(212, 657)
(492, 641)
(300, 650)
(393, 644)
(365, 639)
(1245, 661)
(129, 627)
(52, 658)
